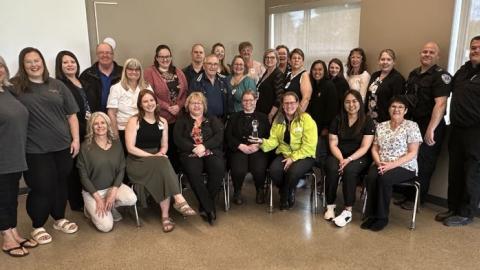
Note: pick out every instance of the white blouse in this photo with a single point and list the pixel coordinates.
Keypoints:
(359, 82)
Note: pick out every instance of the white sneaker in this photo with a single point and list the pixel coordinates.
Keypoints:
(116, 215)
(302, 183)
(330, 213)
(343, 219)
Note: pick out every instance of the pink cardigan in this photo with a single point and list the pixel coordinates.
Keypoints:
(160, 88)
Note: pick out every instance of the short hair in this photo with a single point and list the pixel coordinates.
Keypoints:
(244, 44)
(5, 81)
(281, 46)
(474, 38)
(390, 52)
(363, 64)
(326, 75)
(104, 43)
(267, 51)
(339, 63)
(160, 47)
(90, 133)
(210, 56)
(398, 99)
(132, 63)
(21, 79)
(297, 51)
(249, 92)
(198, 96)
(198, 44)
(59, 74)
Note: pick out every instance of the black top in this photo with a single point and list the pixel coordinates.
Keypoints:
(218, 95)
(191, 74)
(92, 84)
(348, 142)
(380, 92)
(293, 83)
(433, 83)
(341, 85)
(212, 134)
(270, 89)
(323, 105)
(149, 136)
(83, 106)
(465, 103)
(239, 128)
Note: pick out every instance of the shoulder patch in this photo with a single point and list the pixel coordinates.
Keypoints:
(199, 78)
(446, 78)
(221, 75)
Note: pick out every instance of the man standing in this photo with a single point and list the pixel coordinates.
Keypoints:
(193, 70)
(97, 79)
(464, 143)
(430, 84)
(215, 88)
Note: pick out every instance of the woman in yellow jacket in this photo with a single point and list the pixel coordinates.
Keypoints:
(294, 135)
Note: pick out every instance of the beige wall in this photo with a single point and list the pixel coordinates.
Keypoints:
(139, 26)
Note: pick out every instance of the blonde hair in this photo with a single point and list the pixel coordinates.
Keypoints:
(90, 132)
(133, 63)
(280, 118)
(5, 81)
(197, 96)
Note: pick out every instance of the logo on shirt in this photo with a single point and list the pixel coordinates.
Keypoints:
(446, 78)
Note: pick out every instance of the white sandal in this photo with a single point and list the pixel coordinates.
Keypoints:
(39, 234)
(65, 226)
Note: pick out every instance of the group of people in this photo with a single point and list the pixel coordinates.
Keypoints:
(126, 126)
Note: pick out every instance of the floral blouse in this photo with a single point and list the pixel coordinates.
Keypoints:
(394, 143)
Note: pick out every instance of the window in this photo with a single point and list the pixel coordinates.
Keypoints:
(466, 25)
(316, 29)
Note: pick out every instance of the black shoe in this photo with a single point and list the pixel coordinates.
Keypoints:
(367, 223)
(211, 217)
(444, 215)
(260, 198)
(283, 206)
(455, 221)
(379, 224)
(291, 199)
(237, 198)
(400, 201)
(408, 205)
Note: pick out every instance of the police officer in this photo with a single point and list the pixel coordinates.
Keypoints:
(430, 85)
(215, 88)
(464, 143)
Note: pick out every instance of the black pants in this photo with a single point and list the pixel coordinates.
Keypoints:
(427, 157)
(172, 152)
(242, 163)
(379, 189)
(464, 171)
(47, 179)
(322, 151)
(286, 181)
(8, 200)
(75, 198)
(214, 166)
(351, 176)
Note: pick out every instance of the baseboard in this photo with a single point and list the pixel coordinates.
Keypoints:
(437, 200)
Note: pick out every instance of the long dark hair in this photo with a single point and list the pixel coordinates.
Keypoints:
(59, 74)
(171, 68)
(357, 127)
(222, 62)
(326, 76)
(141, 112)
(340, 64)
(363, 64)
(21, 79)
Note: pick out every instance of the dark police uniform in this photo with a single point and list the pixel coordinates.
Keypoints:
(191, 74)
(426, 86)
(218, 95)
(464, 142)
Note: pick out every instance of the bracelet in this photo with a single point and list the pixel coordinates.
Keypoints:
(350, 158)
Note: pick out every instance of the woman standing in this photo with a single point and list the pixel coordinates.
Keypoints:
(350, 138)
(298, 81)
(335, 70)
(199, 139)
(294, 136)
(239, 83)
(122, 100)
(13, 124)
(271, 86)
(67, 70)
(394, 153)
(148, 166)
(219, 50)
(170, 88)
(384, 84)
(52, 141)
(101, 163)
(357, 74)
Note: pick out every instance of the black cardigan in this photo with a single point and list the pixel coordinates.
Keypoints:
(270, 91)
(323, 105)
(239, 128)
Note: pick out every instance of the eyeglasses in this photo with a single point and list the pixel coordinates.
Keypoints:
(104, 53)
(270, 57)
(164, 58)
(211, 64)
(133, 69)
(196, 103)
(397, 107)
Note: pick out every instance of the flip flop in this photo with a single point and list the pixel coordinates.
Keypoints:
(167, 225)
(39, 233)
(27, 243)
(11, 253)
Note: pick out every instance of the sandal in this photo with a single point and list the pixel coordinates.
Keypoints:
(11, 252)
(167, 225)
(65, 226)
(29, 243)
(184, 209)
(41, 236)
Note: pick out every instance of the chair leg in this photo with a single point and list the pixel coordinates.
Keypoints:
(180, 176)
(225, 192)
(365, 197)
(324, 199)
(315, 190)
(270, 203)
(136, 215)
(415, 206)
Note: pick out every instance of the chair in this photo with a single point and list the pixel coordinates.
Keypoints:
(135, 210)
(410, 183)
(225, 186)
(313, 193)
